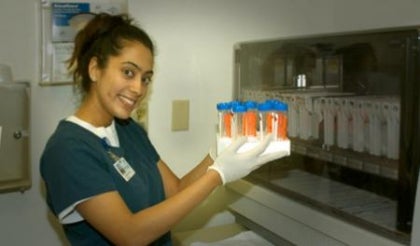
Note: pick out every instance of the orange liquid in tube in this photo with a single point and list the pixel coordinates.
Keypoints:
(227, 121)
(250, 126)
(269, 122)
(276, 122)
(282, 130)
(250, 119)
(281, 109)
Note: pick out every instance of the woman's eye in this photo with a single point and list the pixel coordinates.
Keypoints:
(128, 73)
(146, 80)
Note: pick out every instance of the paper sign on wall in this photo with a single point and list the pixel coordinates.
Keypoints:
(69, 17)
(61, 20)
(62, 15)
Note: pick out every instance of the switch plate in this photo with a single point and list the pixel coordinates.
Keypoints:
(180, 115)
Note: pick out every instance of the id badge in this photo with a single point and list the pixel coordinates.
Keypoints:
(124, 169)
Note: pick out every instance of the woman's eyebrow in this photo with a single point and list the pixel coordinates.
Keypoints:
(138, 67)
(133, 64)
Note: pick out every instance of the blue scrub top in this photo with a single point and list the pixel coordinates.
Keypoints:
(76, 165)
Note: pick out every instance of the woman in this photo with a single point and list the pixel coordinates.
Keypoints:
(105, 181)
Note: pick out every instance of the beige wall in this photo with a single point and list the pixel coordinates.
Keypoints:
(194, 61)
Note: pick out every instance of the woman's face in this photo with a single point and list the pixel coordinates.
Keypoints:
(118, 88)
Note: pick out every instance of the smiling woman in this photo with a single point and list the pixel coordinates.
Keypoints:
(105, 181)
(116, 89)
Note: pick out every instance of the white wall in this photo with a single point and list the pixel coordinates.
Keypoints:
(194, 61)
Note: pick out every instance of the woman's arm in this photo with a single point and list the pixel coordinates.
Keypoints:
(173, 184)
(110, 216)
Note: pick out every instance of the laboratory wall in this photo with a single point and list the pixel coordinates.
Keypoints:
(194, 62)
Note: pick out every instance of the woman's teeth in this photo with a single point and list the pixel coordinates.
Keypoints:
(127, 100)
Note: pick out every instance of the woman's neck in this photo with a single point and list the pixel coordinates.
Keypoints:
(92, 115)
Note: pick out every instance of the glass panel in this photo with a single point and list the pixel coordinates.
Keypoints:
(344, 96)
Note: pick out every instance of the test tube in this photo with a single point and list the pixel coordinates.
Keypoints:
(225, 126)
(239, 111)
(263, 111)
(275, 119)
(225, 119)
(280, 109)
(250, 119)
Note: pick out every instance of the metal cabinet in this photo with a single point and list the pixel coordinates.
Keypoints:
(15, 174)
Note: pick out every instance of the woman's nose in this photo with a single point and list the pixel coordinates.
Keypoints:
(137, 87)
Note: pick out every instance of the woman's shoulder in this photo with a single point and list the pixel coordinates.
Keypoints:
(68, 134)
(68, 130)
(70, 143)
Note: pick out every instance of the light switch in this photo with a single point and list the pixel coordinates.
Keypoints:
(180, 115)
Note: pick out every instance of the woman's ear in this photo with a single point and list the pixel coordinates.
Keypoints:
(93, 69)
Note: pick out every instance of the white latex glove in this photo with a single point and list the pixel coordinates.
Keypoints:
(232, 165)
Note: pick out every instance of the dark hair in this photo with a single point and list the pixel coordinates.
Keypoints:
(102, 37)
